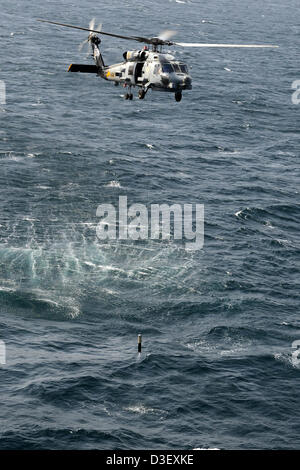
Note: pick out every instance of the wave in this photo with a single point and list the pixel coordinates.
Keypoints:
(290, 212)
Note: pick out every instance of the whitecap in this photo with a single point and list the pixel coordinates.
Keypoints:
(208, 448)
(238, 213)
(39, 186)
(269, 225)
(89, 263)
(142, 410)
(113, 184)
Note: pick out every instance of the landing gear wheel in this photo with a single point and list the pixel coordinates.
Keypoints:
(142, 94)
(127, 96)
(130, 96)
(178, 96)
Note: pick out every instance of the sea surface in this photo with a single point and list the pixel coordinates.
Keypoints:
(216, 369)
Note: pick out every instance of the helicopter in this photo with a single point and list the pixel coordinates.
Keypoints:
(148, 68)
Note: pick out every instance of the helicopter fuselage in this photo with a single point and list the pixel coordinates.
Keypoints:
(144, 69)
(161, 72)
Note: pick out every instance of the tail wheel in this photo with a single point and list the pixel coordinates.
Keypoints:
(178, 96)
(142, 94)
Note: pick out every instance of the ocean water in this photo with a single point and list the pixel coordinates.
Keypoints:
(218, 323)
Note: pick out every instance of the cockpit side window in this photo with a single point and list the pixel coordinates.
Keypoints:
(167, 68)
(157, 69)
(183, 68)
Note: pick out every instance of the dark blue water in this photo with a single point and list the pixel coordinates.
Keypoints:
(217, 324)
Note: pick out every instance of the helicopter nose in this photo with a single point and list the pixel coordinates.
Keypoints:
(184, 81)
(187, 80)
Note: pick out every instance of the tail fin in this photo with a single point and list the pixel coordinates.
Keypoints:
(95, 42)
(100, 60)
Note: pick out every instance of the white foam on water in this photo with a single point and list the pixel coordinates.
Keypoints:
(113, 184)
(238, 213)
(40, 186)
(285, 358)
(110, 292)
(269, 225)
(142, 410)
(208, 448)
(6, 289)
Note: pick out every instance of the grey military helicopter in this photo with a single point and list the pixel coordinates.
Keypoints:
(146, 68)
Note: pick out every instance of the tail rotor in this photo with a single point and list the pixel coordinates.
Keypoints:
(86, 43)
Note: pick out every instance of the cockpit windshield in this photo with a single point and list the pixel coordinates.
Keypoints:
(167, 68)
(176, 68)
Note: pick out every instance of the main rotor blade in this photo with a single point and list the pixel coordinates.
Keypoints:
(92, 23)
(132, 38)
(166, 35)
(82, 44)
(190, 44)
(155, 41)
